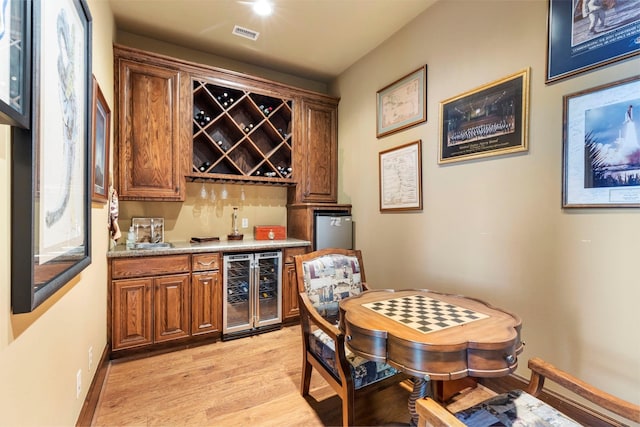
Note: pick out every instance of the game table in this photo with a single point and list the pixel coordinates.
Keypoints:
(431, 335)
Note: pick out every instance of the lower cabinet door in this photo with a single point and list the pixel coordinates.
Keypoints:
(131, 313)
(171, 307)
(206, 302)
(290, 309)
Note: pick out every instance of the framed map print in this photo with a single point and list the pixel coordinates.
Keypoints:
(402, 104)
(401, 178)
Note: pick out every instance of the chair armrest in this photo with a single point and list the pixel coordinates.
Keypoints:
(432, 414)
(318, 320)
(541, 370)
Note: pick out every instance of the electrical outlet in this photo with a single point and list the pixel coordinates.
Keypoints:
(245, 222)
(78, 383)
(90, 358)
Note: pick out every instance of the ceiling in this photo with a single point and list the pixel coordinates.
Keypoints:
(313, 39)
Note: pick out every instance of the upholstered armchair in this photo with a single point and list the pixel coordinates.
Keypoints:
(526, 407)
(324, 278)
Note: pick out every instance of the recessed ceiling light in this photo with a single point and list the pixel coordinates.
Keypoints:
(263, 7)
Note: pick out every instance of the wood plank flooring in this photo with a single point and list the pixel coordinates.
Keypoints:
(252, 381)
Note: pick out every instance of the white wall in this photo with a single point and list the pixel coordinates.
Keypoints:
(41, 352)
(494, 228)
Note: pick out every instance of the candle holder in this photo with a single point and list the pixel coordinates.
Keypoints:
(235, 233)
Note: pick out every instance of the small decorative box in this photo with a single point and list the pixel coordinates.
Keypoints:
(269, 232)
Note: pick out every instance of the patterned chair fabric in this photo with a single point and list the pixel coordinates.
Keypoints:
(515, 408)
(327, 280)
(363, 371)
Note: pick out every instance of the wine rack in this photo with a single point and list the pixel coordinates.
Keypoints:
(238, 283)
(241, 135)
(268, 280)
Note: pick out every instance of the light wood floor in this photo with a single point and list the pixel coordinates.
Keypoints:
(252, 381)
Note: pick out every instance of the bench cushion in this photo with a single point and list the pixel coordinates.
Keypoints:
(515, 409)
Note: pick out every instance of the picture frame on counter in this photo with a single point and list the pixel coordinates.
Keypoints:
(490, 120)
(400, 171)
(100, 134)
(402, 104)
(587, 34)
(51, 197)
(15, 63)
(601, 146)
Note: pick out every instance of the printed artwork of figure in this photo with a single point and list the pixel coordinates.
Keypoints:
(69, 108)
(3, 19)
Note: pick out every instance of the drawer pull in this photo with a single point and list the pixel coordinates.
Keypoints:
(206, 264)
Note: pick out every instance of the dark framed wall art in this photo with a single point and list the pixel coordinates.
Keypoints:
(487, 121)
(15, 62)
(586, 34)
(100, 133)
(51, 199)
(601, 146)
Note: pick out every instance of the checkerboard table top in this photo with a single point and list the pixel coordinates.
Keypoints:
(423, 313)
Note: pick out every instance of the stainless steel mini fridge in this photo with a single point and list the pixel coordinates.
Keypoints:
(332, 229)
(252, 289)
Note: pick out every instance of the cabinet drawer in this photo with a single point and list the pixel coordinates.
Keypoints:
(205, 262)
(149, 266)
(289, 253)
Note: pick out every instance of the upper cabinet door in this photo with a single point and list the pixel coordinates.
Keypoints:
(152, 139)
(317, 157)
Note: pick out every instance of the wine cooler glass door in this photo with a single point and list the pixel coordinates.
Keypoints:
(268, 279)
(238, 308)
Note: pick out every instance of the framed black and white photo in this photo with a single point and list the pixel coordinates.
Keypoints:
(487, 121)
(601, 146)
(586, 34)
(401, 178)
(100, 133)
(51, 198)
(15, 62)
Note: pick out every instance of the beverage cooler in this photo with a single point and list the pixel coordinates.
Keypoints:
(252, 289)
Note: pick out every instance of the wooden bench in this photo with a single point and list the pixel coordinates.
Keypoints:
(431, 413)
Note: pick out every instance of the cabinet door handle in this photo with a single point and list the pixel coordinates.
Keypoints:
(206, 264)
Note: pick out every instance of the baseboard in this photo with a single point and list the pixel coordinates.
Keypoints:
(579, 412)
(93, 395)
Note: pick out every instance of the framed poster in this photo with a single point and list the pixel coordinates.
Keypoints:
(402, 104)
(15, 62)
(51, 198)
(400, 170)
(586, 34)
(601, 146)
(100, 133)
(488, 121)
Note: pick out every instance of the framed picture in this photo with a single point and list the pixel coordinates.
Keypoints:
(402, 104)
(51, 200)
(15, 62)
(100, 132)
(586, 34)
(401, 178)
(601, 146)
(488, 121)
(148, 230)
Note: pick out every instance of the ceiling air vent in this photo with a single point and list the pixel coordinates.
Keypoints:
(245, 32)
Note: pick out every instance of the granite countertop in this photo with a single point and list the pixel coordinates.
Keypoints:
(120, 251)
